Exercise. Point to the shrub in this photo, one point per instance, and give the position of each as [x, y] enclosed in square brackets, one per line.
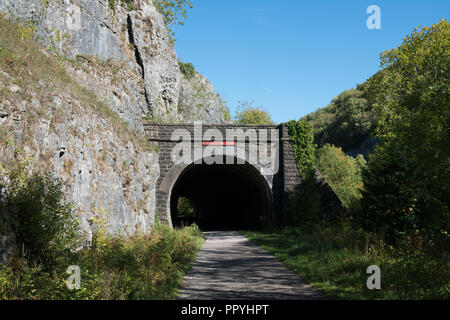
[187, 69]
[149, 266]
[35, 211]
[44, 224]
[185, 207]
[343, 173]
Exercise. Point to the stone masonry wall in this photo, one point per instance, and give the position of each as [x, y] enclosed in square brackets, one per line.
[286, 179]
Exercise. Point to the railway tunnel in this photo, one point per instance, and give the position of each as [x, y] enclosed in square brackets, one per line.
[223, 196]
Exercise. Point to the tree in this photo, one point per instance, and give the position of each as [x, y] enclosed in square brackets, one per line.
[173, 11]
[407, 180]
[343, 173]
[346, 122]
[247, 113]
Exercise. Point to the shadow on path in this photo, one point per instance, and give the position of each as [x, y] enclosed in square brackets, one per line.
[229, 266]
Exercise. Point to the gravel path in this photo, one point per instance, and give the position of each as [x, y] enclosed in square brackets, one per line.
[229, 266]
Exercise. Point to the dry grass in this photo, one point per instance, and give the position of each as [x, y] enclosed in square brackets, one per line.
[41, 76]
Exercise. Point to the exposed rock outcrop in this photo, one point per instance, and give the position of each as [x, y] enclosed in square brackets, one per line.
[126, 59]
[139, 38]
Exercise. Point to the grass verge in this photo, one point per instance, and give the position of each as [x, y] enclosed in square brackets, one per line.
[335, 260]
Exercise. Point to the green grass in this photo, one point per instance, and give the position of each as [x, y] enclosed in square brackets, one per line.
[334, 260]
[145, 267]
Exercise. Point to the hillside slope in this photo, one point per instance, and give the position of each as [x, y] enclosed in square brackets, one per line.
[348, 122]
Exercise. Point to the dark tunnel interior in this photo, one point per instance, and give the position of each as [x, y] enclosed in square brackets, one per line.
[223, 197]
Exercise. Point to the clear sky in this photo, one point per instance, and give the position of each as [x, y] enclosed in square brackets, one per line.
[294, 56]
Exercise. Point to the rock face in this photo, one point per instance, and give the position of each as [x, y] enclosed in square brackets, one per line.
[110, 176]
[126, 59]
[137, 37]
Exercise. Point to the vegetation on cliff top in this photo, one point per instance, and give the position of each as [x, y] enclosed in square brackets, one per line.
[346, 122]
[248, 113]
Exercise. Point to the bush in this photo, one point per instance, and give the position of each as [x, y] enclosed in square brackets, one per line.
[47, 241]
[142, 267]
[34, 210]
[187, 69]
[185, 208]
[44, 225]
[343, 173]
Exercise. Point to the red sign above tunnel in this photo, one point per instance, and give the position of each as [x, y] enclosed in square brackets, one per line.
[219, 143]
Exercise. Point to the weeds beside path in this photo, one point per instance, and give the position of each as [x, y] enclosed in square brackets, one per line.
[145, 267]
[335, 262]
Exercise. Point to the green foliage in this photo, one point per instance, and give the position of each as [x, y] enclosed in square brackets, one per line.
[304, 207]
[343, 173]
[185, 207]
[404, 208]
[112, 4]
[334, 260]
[173, 11]
[41, 221]
[187, 69]
[346, 122]
[408, 178]
[149, 267]
[302, 140]
[247, 113]
[26, 29]
[35, 211]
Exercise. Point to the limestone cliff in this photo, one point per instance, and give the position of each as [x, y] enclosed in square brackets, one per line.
[77, 107]
[137, 37]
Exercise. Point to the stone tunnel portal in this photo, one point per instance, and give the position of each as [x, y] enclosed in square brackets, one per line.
[224, 196]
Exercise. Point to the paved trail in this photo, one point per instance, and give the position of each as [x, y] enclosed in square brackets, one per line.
[229, 266]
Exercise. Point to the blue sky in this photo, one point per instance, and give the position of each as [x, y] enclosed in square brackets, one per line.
[292, 56]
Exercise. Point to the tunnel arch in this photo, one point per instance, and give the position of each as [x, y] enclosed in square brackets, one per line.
[239, 188]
